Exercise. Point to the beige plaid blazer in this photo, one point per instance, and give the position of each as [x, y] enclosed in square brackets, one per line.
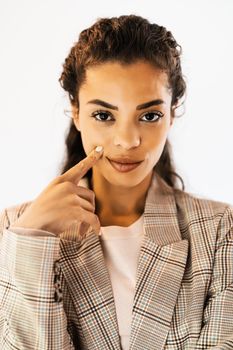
[55, 292]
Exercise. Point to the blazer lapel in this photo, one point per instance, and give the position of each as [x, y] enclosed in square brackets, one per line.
[160, 270]
[87, 279]
[161, 267]
[90, 288]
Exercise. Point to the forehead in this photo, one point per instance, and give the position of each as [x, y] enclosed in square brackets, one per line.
[118, 80]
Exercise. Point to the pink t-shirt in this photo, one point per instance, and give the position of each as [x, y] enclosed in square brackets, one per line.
[121, 248]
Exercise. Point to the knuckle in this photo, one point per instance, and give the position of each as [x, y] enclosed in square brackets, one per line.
[67, 185]
[60, 177]
[76, 200]
[91, 157]
[90, 192]
[82, 164]
[57, 180]
[96, 219]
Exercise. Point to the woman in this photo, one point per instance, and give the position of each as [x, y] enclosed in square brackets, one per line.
[112, 254]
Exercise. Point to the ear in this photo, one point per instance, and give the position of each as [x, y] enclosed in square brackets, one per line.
[173, 111]
[75, 116]
[172, 119]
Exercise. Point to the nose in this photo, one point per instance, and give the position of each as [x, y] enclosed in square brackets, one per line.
[127, 137]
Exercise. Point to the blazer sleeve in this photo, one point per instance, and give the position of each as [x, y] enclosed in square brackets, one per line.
[31, 231]
[217, 330]
[30, 317]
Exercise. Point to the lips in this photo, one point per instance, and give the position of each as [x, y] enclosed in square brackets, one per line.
[125, 160]
[124, 167]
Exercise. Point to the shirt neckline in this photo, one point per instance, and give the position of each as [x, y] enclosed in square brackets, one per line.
[123, 232]
[126, 227]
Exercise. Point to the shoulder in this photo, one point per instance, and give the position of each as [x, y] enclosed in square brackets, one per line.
[205, 212]
[197, 203]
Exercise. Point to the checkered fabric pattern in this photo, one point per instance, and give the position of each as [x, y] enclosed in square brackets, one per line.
[56, 294]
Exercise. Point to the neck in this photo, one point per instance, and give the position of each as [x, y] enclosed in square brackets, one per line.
[125, 204]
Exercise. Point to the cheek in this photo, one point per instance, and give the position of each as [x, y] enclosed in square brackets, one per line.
[157, 137]
[91, 138]
[155, 144]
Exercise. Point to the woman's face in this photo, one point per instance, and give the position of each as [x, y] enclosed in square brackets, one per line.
[111, 114]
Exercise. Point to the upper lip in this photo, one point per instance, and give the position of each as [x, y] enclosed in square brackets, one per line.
[125, 160]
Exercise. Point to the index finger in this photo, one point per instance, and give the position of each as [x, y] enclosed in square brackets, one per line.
[75, 173]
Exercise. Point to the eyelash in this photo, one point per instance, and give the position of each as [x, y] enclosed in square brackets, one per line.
[93, 115]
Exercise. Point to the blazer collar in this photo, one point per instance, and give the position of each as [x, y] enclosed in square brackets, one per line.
[160, 270]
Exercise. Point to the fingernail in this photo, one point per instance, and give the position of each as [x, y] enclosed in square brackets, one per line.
[99, 149]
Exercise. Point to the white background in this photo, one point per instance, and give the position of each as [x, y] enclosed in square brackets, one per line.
[35, 38]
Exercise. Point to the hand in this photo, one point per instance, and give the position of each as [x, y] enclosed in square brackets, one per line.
[63, 203]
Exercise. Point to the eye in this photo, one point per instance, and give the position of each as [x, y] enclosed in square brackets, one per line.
[103, 115]
[151, 115]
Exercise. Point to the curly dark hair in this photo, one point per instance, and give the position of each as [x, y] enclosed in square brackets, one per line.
[124, 39]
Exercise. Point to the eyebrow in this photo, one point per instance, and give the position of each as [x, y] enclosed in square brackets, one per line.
[139, 107]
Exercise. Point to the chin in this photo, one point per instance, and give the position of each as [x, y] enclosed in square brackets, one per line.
[126, 180]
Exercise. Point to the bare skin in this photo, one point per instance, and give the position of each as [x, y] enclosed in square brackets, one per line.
[63, 203]
[128, 131]
[115, 198]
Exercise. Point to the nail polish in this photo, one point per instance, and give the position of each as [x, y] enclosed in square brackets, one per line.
[99, 149]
